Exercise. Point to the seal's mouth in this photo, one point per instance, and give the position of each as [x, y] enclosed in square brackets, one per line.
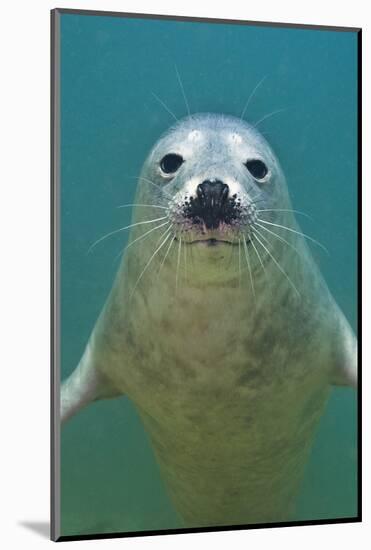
[209, 242]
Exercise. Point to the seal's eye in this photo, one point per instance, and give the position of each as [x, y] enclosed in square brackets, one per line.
[257, 169]
[171, 162]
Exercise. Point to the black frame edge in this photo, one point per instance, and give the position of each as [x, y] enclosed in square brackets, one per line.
[190, 18]
[359, 270]
[99, 536]
[52, 381]
[54, 280]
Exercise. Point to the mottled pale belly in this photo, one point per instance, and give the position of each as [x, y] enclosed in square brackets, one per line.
[234, 462]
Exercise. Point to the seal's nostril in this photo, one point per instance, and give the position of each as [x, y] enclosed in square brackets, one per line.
[224, 194]
[201, 192]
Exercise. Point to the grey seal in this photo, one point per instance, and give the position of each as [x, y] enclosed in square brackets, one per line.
[219, 327]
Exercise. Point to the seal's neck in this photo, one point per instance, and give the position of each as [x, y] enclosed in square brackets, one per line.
[200, 275]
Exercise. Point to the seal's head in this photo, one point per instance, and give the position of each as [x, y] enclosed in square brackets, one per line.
[215, 173]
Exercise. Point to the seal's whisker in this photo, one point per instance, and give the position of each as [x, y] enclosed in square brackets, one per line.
[261, 235]
[135, 205]
[139, 239]
[122, 229]
[295, 232]
[268, 116]
[177, 265]
[249, 266]
[165, 106]
[160, 237]
[166, 234]
[279, 238]
[251, 96]
[257, 253]
[182, 88]
[256, 201]
[276, 262]
[239, 262]
[265, 133]
[256, 196]
[286, 210]
[192, 257]
[155, 185]
[165, 256]
[230, 265]
[185, 264]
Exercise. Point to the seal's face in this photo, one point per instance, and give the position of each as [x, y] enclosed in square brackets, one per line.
[216, 173]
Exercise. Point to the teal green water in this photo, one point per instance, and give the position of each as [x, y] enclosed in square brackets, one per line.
[109, 121]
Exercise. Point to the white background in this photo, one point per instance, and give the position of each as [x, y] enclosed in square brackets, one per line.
[24, 273]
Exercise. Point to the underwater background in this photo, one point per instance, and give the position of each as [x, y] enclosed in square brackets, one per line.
[110, 68]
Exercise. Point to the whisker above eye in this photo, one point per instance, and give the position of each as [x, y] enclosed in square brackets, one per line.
[276, 112]
[165, 106]
[251, 96]
[182, 88]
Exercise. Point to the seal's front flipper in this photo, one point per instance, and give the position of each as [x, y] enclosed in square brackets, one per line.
[345, 369]
[85, 385]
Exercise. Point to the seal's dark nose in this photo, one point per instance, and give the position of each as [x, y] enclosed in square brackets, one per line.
[212, 194]
[210, 206]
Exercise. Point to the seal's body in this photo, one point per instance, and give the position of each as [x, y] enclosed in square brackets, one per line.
[223, 333]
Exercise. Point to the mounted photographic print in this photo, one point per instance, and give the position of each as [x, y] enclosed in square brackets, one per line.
[205, 188]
